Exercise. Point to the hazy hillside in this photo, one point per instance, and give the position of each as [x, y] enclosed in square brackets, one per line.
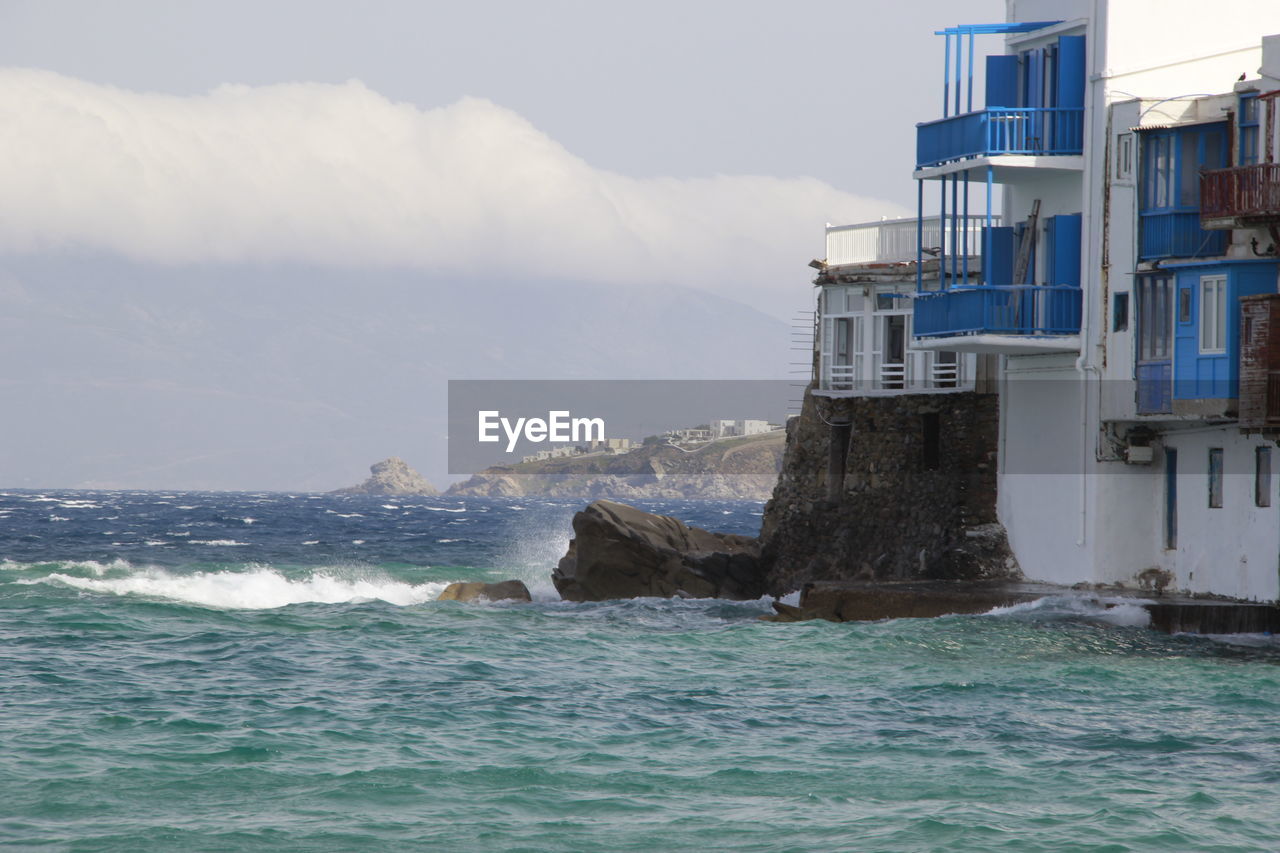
[122, 375]
[733, 468]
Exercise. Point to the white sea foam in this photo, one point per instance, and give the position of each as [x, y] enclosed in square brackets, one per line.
[97, 568]
[390, 506]
[1124, 612]
[445, 509]
[58, 518]
[254, 589]
[220, 542]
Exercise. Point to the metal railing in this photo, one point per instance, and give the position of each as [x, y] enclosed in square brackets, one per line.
[895, 240]
[1032, 310]
[1001, 130]
[1243, 191]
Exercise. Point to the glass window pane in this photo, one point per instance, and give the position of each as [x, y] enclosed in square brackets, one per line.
[1188, 169]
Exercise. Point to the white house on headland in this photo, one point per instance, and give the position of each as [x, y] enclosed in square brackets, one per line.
[1109, 198]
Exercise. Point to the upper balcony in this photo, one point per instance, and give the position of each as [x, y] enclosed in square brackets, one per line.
[892, 242]
[1034, 112]
[995, 131]
[1176, 163]
[1240, 197]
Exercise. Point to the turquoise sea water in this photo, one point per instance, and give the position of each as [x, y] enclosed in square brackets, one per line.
[271, 672]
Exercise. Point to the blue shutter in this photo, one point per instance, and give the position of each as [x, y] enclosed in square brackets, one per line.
[1002, 81]
[998, 250]
[1070, 71]
[1062, 248]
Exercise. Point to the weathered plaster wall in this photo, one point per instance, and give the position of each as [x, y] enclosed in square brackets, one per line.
[888, 508]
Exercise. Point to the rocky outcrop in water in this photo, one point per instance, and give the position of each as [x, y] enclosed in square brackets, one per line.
[391, 476]
[619, 551]
[512, 590]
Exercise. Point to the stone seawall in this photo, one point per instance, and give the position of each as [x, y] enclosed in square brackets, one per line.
[887, 488]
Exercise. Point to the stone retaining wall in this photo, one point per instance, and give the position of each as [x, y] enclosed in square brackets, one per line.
[890, 487]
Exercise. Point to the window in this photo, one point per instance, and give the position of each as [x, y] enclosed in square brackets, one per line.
[884, 302]
[1213, 314]
[1262, 476]
[1215, 477]
[1184, 305]
[1155, 318]
[1248, 129]
[931, 428]
[1170, 498]
[1120, 312]
[1124, 157]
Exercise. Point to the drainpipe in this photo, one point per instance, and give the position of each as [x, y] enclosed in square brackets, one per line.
[1083, 365]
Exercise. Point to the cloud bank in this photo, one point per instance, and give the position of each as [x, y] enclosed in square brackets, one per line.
[340, 175]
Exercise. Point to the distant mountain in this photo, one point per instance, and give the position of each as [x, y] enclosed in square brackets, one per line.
[744, 467]
[121, 375]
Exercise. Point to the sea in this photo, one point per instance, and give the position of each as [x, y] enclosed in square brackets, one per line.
[266, 671]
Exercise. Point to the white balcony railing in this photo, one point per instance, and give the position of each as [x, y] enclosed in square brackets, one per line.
[923, 370]
[894, 240]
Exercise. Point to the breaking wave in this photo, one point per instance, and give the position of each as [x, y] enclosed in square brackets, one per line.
[1121, 612]
[254, 589]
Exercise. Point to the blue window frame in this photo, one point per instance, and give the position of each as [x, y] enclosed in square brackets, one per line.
[1248, 132]
[1172, 160]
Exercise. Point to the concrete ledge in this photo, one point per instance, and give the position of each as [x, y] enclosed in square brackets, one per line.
[871, 601]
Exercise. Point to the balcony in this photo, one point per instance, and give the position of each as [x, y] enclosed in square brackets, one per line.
[920, 372]
[896, 240]
[1178, 234]
[1245, 195]
[999, 318]
[995, 131]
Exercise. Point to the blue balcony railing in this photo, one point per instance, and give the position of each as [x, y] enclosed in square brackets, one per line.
[1155, 388]
[1000, 130]
[1020, 309]
[1177, 234]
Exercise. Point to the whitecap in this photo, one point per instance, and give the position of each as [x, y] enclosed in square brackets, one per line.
[1112, 610]
[218, 542]
[256, 589]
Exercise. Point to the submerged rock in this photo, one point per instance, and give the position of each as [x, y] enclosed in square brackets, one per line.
[619, 551]
[391, 476]
[512, 590]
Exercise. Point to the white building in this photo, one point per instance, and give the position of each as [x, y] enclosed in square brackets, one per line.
[1125, 215]
[864, 325]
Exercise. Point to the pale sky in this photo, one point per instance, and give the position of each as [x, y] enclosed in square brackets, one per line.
[440, 162]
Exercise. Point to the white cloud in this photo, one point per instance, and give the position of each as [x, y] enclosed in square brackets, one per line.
[339, 175]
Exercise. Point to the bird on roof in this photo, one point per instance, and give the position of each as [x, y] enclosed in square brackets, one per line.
[1242, 76]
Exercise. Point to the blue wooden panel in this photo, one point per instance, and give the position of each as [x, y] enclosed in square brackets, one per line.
[998, 249]
[1002, 81]
[1209, 376]
[1071, 65]
[1154, 388]
[1062, 249]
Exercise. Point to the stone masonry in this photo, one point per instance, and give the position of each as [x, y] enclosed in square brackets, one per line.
[887, 488]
